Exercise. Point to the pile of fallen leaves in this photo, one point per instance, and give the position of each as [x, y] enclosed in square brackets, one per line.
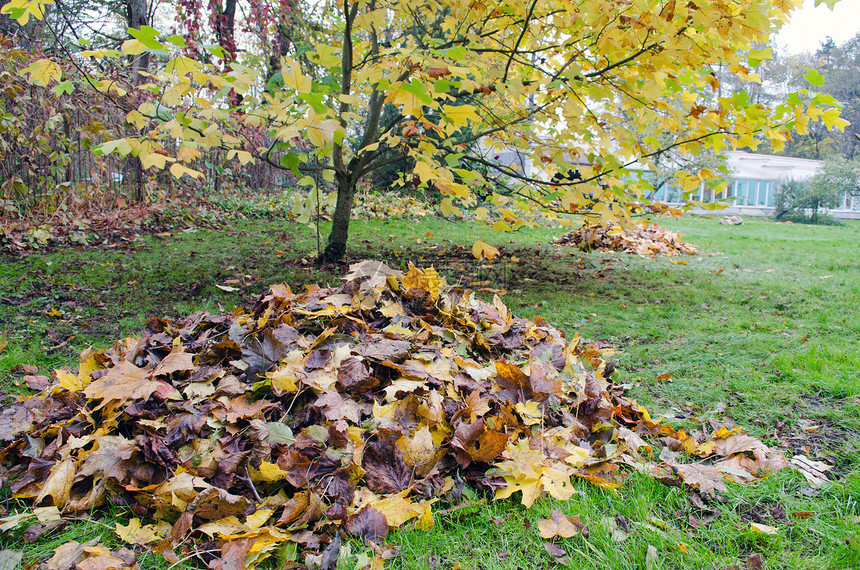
[117, 225]
[333, 412]
[642, 239]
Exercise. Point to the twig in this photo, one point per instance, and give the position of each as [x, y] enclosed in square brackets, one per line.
[251, 485]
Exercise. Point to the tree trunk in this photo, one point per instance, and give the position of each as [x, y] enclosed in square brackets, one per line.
[336, 248]
[225, 22]
[136, 17]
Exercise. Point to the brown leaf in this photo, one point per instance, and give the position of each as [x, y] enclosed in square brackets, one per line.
[755, 561]
[554, 550]
[353, 375]
[512, 377]
[100, 558]
[233, 553]
[17, 419]
[58, 486]
[304, 508]
[385, 469]
[384, 350]
[559, 525]
[705, 478]
[737, 443]
[67, 554]
[213, 503]
[336, 407]
[368, 523]
[651, 557]
[9, 559]
[436, 73]
[38, 383]
[475, 443]
[37, 531]
[125, 381]
[173, 363]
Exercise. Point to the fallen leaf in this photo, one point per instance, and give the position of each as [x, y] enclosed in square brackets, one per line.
[763, 529]
[368, 523]
[755, 561]
[651, 557]
[10, 559]
[559, 525]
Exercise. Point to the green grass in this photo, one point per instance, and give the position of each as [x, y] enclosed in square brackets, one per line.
[761, 328]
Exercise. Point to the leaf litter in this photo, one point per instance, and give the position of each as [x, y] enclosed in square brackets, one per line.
[641, 238]
[349, 410]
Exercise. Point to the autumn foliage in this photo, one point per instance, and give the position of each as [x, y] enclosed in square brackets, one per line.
[349, 410]
[642, 238]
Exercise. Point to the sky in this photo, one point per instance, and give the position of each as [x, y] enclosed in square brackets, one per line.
[810, 25]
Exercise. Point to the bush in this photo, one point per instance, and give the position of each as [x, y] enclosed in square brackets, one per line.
[801, 201]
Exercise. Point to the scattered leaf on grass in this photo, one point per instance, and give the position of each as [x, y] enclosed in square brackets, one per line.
[651, 557]
[559, 525]
[815, 472]
[763, 528]
[10, 559]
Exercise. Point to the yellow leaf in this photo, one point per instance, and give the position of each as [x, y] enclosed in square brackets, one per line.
[425, 521]
[557, 483]
[43, 72]
[243, 156]
[258, 519]
[426, 280]
[763, 529]
[110, 86]
[293, 76]
[133, 47]
[155, 159]
[424, 171]
[484, 251]
[320, 132]
[461, 114]
[268, 472]
[134, 533]
[181, 66]
[25, 9]
[419, 451]
[136, 118]
[396, 509]
[448, 208]
[58, 485]
[188, 154]
[529, 411]
[179, 171]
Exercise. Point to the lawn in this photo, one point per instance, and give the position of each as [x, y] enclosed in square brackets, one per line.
[761, 328]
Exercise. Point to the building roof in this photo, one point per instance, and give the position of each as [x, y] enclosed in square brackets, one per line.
[746, 165]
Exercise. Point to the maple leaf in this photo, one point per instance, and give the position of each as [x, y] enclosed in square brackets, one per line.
[385, 469]
[420, 452]
[476, 443]
[559, 525]
[261, 352]
[397, 509]
[368, 523]
[136, 533]
[125, 381]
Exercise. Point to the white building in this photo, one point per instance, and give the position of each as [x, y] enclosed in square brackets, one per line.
[755, 179]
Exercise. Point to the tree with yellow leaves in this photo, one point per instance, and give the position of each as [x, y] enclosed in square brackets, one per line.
[593, 85]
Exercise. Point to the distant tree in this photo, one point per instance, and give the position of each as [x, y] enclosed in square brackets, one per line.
[805, 199]
[841, 71]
